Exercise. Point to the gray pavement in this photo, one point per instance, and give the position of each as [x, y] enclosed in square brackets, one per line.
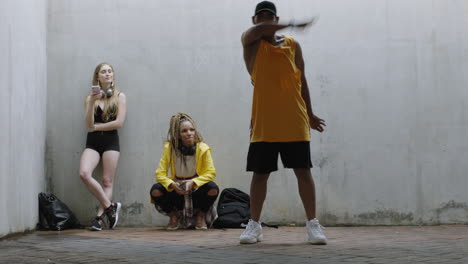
[427, 244]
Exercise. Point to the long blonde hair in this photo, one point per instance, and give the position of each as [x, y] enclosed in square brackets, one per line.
[111, 105]
[173, 134]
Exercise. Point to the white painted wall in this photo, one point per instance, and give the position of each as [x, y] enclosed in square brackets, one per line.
[387, 76]
[22, 112]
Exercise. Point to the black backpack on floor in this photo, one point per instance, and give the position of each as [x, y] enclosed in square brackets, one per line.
[233, 209]
[55, 214]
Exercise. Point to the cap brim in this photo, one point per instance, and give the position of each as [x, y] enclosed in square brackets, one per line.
[266, 9]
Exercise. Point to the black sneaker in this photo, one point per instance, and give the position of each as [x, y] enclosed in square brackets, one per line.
[96, 224]
[112, 214]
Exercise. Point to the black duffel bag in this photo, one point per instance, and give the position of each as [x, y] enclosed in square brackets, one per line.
[55, 214]
[233, 209]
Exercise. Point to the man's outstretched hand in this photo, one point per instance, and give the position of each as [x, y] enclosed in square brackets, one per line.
[303, 25]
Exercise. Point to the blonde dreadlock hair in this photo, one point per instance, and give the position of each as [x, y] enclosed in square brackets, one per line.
[173, 135]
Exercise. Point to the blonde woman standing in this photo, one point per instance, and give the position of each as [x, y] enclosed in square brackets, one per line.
[105, 113]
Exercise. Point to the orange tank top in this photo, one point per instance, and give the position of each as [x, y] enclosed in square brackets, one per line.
[279, 113]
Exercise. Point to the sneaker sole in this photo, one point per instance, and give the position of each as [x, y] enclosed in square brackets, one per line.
[92, 228]
[258, 239]
[248, 241]
[119, 205]
[318, 242]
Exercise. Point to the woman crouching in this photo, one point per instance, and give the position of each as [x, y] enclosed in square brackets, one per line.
[189, 190]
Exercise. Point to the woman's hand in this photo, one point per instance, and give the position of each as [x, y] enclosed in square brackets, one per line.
[94, 127]
[178, 189]
[189, 185]
[94, 97]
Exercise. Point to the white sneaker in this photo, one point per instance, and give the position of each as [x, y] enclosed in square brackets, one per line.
[252, 233]
[315, 233]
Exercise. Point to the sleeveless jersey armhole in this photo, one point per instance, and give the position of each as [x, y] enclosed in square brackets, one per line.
[293, 45]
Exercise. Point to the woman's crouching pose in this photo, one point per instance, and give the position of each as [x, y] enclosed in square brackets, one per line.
[189, 190]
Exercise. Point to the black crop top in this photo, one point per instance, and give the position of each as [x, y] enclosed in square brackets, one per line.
[98, 116]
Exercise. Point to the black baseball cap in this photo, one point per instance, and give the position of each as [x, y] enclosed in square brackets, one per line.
[265, 6]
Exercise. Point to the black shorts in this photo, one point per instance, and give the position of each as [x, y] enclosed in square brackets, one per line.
[102, 141]
[263, 156]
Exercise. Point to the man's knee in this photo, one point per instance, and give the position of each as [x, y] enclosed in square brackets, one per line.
[260, 177]
[303, 173]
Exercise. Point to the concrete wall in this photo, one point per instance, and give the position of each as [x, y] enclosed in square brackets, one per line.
[22, 112]
[387, 76]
